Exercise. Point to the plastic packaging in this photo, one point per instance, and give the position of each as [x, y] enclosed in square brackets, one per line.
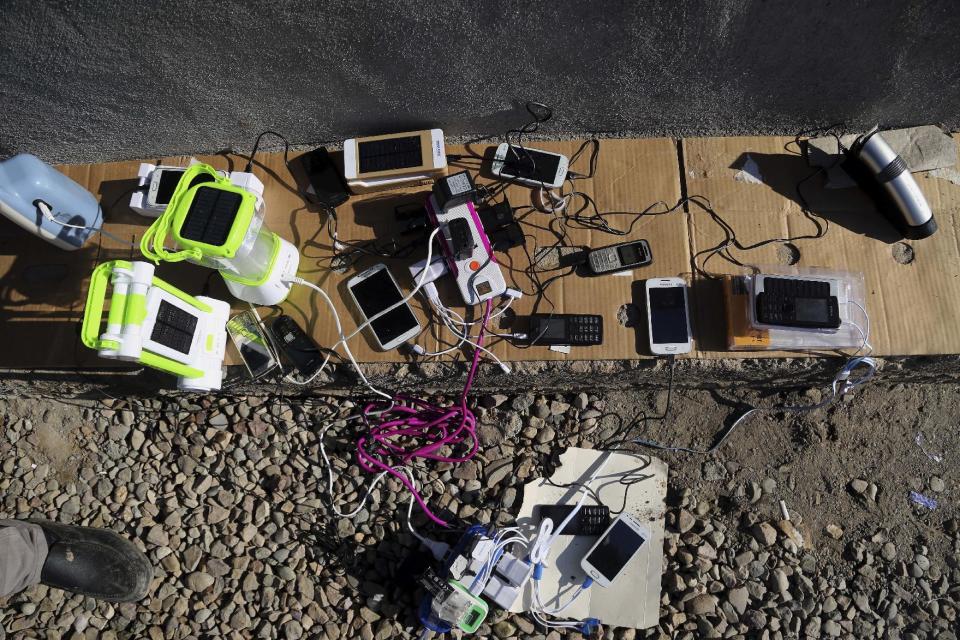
[746, 333]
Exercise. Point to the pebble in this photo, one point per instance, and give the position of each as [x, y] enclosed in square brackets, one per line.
[701, 604]
[227, 517]
[200, 581]
[764, 533]
[834, 531]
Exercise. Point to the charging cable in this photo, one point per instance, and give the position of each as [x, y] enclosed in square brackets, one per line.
[433, 428]
[844, 382]
[47, 212]
[540, 551]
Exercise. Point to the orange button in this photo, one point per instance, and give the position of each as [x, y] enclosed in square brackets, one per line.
[474, 265]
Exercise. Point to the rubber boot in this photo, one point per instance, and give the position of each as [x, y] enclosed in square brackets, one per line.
[94, 562]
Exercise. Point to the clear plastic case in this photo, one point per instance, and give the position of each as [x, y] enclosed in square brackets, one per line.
[746, 333]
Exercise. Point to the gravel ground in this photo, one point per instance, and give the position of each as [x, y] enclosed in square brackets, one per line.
[227, 497]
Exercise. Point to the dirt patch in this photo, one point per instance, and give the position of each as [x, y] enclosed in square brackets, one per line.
[809, 460]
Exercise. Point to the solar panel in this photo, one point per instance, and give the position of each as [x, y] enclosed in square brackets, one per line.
[389, 154]
[210, 216]
[174, 327]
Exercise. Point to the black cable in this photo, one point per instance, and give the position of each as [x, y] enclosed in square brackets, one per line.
[256, 146]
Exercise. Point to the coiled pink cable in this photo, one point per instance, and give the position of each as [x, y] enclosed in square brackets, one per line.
[408, 420]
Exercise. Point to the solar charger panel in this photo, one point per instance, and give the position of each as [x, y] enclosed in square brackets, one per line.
[153, 323]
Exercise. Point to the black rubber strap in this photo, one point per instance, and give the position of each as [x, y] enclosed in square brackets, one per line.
[892, 170]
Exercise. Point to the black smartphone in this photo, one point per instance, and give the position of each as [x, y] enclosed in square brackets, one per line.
[297, 346]
[325, 183]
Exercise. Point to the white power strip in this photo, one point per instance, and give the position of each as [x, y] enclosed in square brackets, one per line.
[477, 272]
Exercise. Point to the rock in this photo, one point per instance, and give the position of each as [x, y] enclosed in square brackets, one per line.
[118, 432]
[831, 628]
[789, 531]
[217, 514]
[764, 533]
[137, 438]
[685, 521]
[888, 552]
[200, 581]
[829, 605]
[239, 620]
[755, 619]
[769, 485]
[922, 561]
[859, 486]
[834, 531]
[937, 485]
[581, 401]
[504, 629]
[293, 630]
[713, 471]
[498, 471]
[739, 598]
[701, 604]
[158, 536]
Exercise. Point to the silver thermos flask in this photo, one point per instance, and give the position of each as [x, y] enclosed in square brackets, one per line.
[893, 188]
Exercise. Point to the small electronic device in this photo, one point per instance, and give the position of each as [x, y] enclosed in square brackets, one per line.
[324, 182]
[394, 160]
[576, 330]
[458, 188]
[157, 184]
[468, 251]
[300, 348]
[163, 181]
[885, 177]
[668, 320]
[591, 520]
[375, 290]
[619, 257]
[804, 303]
[532, 167]
[151, 322]
[247, 335]
[217, 221]
[616, 547]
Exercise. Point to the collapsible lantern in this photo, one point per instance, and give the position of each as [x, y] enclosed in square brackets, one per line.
[219, 224]
[156, 324]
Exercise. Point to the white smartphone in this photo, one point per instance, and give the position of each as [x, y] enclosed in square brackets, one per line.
[668, 319]
[616, 547]
[373, 291]
[532, 167]
[163, 182]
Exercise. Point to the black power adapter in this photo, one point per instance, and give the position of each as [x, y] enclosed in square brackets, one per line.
[454, 190]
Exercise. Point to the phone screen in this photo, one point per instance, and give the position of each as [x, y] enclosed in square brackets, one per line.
[376, 293]
[668, 315]
[324, 178]
[248, 338]
[530, 164]
[169, 178]
[615, 550]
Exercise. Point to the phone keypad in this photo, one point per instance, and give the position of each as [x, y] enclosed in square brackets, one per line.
[585, 330]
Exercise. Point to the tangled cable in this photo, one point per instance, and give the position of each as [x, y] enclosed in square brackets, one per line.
[408, 428]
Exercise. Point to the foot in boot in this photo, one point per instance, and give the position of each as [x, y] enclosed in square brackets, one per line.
[94, 562]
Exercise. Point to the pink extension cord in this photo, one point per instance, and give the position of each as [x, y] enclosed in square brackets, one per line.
[406, 420]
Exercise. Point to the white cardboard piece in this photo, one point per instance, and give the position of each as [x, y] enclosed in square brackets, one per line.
[634, 599]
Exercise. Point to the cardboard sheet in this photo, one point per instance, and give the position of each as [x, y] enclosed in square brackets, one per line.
[633, 600]
[630, 176]
[911, 306]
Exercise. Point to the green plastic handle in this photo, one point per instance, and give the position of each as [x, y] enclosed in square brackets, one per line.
[96, 296]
